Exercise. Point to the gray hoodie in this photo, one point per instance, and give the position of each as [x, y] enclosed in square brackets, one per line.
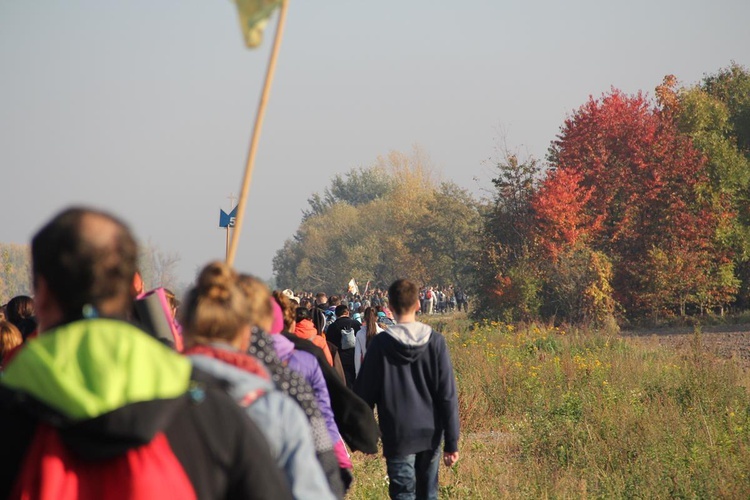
[282, 421]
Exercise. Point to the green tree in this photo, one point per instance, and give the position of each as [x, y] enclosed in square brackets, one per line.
[414, 228]
[508, 276]
[732, 87]
[713, 114]
[448, 236]
[357, 187]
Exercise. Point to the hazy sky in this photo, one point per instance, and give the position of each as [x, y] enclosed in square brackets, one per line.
[145, 108]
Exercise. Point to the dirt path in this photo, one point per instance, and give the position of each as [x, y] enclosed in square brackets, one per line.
[727, 341]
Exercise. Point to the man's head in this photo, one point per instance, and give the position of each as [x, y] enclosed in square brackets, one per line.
[321, 298]
[403, 297]
[82, 257]
[341, 311]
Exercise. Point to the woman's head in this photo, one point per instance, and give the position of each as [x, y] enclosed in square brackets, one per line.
[371, 325]
[10, 337]
[288, 307]
[259, 302]
[216, 308]
[302, 313]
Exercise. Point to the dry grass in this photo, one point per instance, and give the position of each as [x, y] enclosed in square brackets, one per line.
[554, 413]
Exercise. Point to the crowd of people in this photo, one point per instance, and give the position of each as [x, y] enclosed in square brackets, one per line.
[432, 300]
[236, 391]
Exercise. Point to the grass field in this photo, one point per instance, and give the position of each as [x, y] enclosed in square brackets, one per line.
[561, 413]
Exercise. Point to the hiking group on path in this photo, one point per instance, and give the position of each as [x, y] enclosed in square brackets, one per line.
[235, 392]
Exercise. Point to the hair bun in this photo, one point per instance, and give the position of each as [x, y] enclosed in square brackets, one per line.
[216, 281]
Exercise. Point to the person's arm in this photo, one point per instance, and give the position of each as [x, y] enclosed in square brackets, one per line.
[358, 352]
[450, 458]
[447, 399]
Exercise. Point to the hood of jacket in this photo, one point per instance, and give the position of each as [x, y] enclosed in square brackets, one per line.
[305, 329]
[409, 341]
[107, 385]
[239, 383]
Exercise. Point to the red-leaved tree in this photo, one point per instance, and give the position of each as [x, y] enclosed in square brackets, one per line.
[626, 182]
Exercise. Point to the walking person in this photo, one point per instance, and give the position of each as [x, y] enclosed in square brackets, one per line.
[218, 316]
[342, 333]
[369, 329]
[99, 408]
[408, 375]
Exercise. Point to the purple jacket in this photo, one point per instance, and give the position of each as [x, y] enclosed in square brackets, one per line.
[306, 365]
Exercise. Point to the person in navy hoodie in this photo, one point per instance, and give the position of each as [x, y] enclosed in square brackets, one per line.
[408, 374]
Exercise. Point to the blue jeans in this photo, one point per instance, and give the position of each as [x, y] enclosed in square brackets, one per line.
[414, 476]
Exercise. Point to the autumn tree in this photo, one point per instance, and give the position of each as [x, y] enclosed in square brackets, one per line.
[627, 183]
[714, 114]
[409, 225]
[577, 287]
[508, 275]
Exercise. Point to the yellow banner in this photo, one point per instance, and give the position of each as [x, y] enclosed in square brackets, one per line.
[254, 16]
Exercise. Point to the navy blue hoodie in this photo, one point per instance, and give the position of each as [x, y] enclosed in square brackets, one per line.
[407, 373]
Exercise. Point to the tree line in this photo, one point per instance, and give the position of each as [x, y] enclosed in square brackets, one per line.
[157, 267]
[641, 209]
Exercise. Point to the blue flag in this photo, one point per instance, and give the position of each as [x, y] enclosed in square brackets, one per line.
[227, 219]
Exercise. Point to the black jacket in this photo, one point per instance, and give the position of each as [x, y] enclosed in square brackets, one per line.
[333, 334]
[353, 416]
[408, 374]
[119, 390]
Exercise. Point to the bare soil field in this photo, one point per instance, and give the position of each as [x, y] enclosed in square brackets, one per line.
[731, 342]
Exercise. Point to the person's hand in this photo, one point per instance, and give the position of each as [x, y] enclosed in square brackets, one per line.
[450, 458]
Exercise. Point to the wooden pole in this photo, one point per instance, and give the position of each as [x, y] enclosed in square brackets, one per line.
[227, 245]
[231, 207]
[256, 134]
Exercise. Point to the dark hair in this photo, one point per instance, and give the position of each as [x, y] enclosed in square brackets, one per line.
[340, 310]
[402, 295]
[371, 325]
[86, 257]
[302, 313]
[318, 319]
[19, 308]
[334, 300]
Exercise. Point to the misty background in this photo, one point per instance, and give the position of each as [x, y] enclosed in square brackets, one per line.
[145, 108]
